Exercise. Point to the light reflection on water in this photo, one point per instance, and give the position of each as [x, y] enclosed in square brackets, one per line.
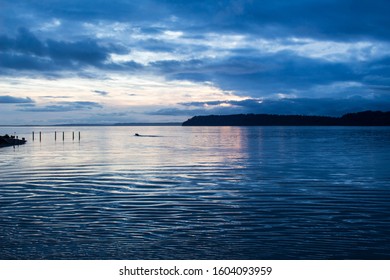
[196, 193]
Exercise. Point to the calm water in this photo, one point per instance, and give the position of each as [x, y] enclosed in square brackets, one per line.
[197, 193]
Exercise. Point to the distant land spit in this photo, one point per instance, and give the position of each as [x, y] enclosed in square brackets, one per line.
[366, 118]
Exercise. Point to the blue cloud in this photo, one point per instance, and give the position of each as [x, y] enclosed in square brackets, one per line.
[15, 61]
[25, 42]
[92, 32]
[177, 112]
[299, 106]
[86, 51]
[261, 75]
[101, 92]
[16, 100]
[340, 19]
[27, 52]
[64, 107]
[155, 45]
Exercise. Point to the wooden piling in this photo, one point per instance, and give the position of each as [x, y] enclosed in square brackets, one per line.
[73, 135]
[79, 136]
[55, 135]
[63, 136]
[40, 136]
[33, 136]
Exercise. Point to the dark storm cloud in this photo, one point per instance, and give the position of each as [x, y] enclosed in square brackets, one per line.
[87, 51]
[64, 107]
[261, 75]
[25, 42]
[27, 52]
[89, 10]
[17, 100]
[378, 72]
[343, 20]
[17, 61]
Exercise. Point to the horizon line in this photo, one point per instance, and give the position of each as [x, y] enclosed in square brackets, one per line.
[95, 124]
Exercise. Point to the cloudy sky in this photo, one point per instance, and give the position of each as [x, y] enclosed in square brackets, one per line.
[95, 61]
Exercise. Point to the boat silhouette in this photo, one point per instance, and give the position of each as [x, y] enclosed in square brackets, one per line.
[143, 135]
[7, 140]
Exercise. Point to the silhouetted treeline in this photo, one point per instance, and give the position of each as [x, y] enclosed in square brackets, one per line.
[366, 118]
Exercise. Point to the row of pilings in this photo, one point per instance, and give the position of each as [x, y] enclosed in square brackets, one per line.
[38, 135]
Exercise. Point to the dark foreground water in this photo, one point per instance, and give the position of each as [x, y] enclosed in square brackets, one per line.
[197, 193]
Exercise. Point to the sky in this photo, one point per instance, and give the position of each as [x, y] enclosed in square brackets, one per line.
[116, 61]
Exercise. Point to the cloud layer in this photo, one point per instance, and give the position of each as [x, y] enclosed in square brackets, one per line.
[316, 57]
[6, 99]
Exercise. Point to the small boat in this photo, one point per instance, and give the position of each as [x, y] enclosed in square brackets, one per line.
[7, 140]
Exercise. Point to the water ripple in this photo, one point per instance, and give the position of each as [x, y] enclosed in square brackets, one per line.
[246, 193]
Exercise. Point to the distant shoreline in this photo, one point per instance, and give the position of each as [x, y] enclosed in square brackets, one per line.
[366, 118]
[113, 124]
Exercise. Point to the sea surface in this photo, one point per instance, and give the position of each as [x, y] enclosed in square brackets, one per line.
[196, 193]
